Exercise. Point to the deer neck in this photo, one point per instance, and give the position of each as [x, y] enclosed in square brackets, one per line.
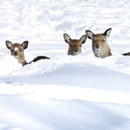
[21, 60]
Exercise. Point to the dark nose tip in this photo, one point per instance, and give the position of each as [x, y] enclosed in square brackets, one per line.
[15, 53]
[97, 46]
[76, 50]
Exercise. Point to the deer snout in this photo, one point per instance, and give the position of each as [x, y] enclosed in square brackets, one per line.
[76, 50]
[97, 46]
[15, 53]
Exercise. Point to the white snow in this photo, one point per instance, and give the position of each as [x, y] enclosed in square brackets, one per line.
[65, 92]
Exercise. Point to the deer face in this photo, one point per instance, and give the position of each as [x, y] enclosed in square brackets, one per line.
[17, 50]
[99, 43]
[75, 45]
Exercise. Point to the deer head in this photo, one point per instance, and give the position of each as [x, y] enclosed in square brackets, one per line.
[75, 45]
[99, 43]
[17, 50]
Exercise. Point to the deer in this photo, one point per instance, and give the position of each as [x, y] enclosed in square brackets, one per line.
[75, 45]
[126, 54]
[17, 50]
[100, 46]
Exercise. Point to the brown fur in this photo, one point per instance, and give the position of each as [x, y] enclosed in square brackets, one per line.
[126, 54]
[17, 50]
[75, 45]
[99, 43]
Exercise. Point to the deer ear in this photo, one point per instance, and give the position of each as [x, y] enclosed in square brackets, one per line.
[9, 45]
[107, 32]
[83, 39]
[66, 38]
[90, 34]
[25, 44]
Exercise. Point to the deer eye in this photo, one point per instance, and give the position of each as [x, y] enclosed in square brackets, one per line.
[103, 40]
[20, 49]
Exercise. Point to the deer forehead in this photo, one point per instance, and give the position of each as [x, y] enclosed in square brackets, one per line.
[75, 42]
[99, 37]
[18, 46]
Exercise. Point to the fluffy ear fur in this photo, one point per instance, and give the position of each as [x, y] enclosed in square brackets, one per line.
[107, 32]
[90, 34]
[9, 45]
[25, 44]
[66, 38]
[83, 39]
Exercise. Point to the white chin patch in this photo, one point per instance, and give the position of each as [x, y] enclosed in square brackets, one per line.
[76, 53]
[98, 53]
[16, 57]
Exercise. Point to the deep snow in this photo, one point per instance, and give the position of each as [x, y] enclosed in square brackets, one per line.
[66, 92]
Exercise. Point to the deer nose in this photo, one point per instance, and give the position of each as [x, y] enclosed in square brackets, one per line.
[15, 53]
[97, 46]
[76, 50]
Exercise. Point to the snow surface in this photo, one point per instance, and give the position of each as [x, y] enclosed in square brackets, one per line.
[66, 92]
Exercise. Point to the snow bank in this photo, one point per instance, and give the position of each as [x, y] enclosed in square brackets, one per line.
[65, 92]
